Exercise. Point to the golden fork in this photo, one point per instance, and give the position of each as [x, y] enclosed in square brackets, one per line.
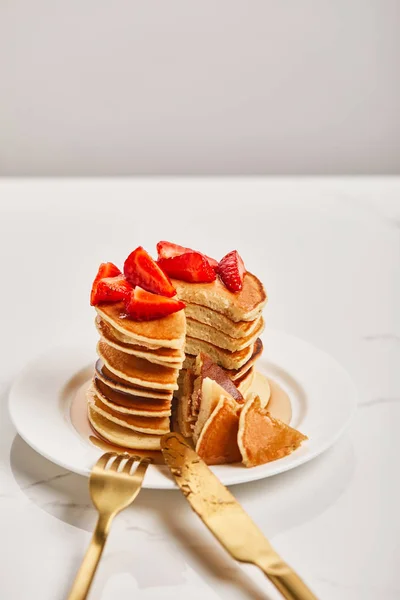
[112, 489]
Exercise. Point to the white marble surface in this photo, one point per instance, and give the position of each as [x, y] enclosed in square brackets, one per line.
[328, 252]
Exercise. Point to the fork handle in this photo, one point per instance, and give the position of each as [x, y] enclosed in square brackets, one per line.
[84, 577]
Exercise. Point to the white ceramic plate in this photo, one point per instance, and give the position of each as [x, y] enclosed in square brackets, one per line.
[322, 394]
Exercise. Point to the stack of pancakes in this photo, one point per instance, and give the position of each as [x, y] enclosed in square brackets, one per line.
[226, 327]
[129, 401]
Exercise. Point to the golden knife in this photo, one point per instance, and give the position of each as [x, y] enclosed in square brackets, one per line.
[226, 519]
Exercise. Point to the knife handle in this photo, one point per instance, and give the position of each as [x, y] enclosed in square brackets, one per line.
[291, 586]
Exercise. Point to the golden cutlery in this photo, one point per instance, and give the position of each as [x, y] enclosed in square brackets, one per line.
[226, 519]
[112, 488]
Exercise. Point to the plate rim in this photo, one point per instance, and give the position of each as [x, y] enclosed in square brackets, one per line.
[164, 481]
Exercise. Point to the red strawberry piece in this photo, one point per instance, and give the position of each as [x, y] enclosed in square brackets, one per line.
[105, 270]
[213, 263]
[145, 306]
[140, 269]
[191, 266]
[231, 270]
[169, 250]
[112, 289]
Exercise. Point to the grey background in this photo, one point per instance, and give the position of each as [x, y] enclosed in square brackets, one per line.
[94, 87]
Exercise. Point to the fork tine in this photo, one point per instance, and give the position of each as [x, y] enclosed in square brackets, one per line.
[142, 467]
[103, 460]
[128, 466]
[118, 461]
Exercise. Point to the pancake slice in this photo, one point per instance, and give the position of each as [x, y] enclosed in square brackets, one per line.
[210, 334]
[257, 351]
[196, 389]
[261, 437]
[208, 397]
[137, 370]
[117, 383]
[218, 443]
[205, 367]
[168, 332]
[163, 356]
[131, 405]
[210, 384]
[224, 358]
[245, 382]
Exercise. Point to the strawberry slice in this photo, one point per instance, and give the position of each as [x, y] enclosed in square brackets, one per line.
[140, 269]
[111, 289]
[169, 250]
[231, 269]
[191, 266]
[105, 270]
[145, 306]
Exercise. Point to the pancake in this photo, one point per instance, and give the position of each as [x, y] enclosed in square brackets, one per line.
[117, 434]
[245, 305]
[245, 382]
[137, 370]
[117, 383]
[132, 405]
[261, 437]
[224, 358]
[191, 389]
[168, 332]
[121, 436]
[210, 384]
[126, 339]
[217, 443]
[200, 331]
[162, 356]
[152, 425]
[205, 367]
[208, 397]
[236, 374]
[217, 320]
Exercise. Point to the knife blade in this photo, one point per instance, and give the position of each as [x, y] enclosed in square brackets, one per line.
[226, 519]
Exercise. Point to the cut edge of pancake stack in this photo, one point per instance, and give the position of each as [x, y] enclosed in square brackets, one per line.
[224, 326]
